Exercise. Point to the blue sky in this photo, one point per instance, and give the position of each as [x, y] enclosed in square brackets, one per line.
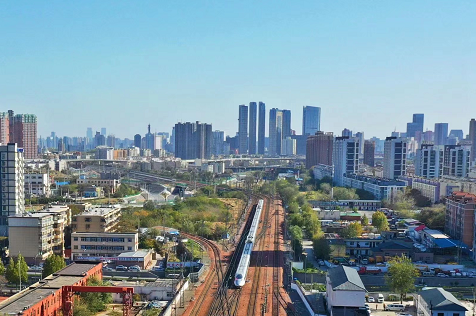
[123, 64]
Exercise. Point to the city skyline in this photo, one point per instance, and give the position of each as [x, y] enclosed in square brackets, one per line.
[163, 64]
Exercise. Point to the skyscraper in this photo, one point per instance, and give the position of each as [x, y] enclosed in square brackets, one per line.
[472, 138]
[456, 161]
[311, 120]
[23, 131]
[137, 140]
[89, 133]
[218, 143]
[319, 149]
[149, 139]
[4, 128]
[193, 140]
[286, 123]
[103, 131]
[441, 133]
[252, 134]
[243, 129]
[345, 158]
[346, 132]
[369, 153]
[13, 196]
[279, 129]
[360, 137]
[394, 157]
[429, 161]
[261, 127]
[416, 125]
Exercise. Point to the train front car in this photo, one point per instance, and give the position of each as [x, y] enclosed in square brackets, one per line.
[242, 270]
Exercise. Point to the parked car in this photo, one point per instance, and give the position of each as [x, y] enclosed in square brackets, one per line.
[367, 307]
[321, 263]
[134, 269]
[121, 268]
[441, 275]
[380, 298]
[371, 299]
[395, 307]
[108, 269]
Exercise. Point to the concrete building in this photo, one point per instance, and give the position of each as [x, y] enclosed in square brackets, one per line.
[319, 149]
[311, 120]
[459, 221]
[12, 186]
[345, 158]
[321, 171]
[4, 128]
[394, 157]
[416, 126]
[102, 244]
[345, 291]
[137, 141]
[369, 153]
[193, 140]
[159, 290]
[438, 302]
[429, 161]
[441, 133]
[289, 147]
[429, 188]
[279, 129]
[261, 127]
[218, 143]
[23, 132]
[37, 184]
[32, 235]
[382, 189]
[243, 129]
[472, 138]
[113, 184]
[360, 137]
[103, 152]
[61, 226]
[97, 219]
[456, 161]
[252, 129]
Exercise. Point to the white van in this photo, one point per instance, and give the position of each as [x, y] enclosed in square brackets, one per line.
[395, 307]
[380, 298]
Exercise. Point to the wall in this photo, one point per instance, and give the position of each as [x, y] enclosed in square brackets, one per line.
[176, 301]
[298, 289]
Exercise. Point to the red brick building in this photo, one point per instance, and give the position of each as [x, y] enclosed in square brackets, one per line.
[459, 221]
[45, 297]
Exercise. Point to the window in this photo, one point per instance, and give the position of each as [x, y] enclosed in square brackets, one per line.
[88, 226]
[130, 239]
[455, 314]
[441, 314]
[87, 219]
[75, 238]
[130, 248]
[75, 246]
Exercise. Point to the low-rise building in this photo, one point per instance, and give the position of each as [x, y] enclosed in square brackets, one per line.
[97, 219]
[361, 246]
[102, 244]
[323, 171]
[438, 302]
[345, 291]
[61, 226]
[37, 184]
[100, 182]
[159, 290]
[361, 205]
[428, 188]
[382, 189]
[93, 191]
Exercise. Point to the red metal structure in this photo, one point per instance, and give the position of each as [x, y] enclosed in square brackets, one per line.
[69, 291]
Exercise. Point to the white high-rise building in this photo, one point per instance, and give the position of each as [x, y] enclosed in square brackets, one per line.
[12, 201]
[429, 161]
[345, 158]
[289, 146]
[394, 157]
[456, 161]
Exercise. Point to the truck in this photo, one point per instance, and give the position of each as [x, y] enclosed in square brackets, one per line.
[369, 270]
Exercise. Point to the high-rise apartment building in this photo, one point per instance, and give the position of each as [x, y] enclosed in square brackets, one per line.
[459, 220]
[103, 131]
[319, 149]
[289, 146]
[4, 128]
[360, 137]
[311, 120]
[275, 131]
[218, 147]
[243, 129]
[472, 138]
[345, 158]
[456, 161]
[252, 126]
[346, 132]
[286, 123]
[394, 157]
[261, 127]
[369, 153]
[193, 140]
[441, 133]
[23, 131]
[12, 200]
[429, 161]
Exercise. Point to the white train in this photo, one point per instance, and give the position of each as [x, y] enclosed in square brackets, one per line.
[242, 270]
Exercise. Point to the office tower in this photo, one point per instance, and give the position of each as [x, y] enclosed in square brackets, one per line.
[23, 131]
[429, 161]
[275, 131]
[419, 119]
[103, 131]
[394, 158]
[193, 140]
[252, 127]
[456, 133]
[261, 127]
[472, 138]
[345, 158]
[243, 129]
[89, 133]
[319, 149]
[369, 153]
[4, 128]
[360, 137]
[286, 124]
[137, 140]
[441, 133]
[149, 139]
[218, 143]
[311, 120]
[99, 140]
[416, 125]
[428, 136]
[12, 185]
[346, 132]
[456, 161]
[111, 141]
[289, 146]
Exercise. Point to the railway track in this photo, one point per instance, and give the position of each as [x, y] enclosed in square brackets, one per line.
[276, 264]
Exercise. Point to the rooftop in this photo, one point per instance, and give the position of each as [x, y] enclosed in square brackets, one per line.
[435, 233]
[100, 211]
[136, 254]
[345, 279]
[441, 300]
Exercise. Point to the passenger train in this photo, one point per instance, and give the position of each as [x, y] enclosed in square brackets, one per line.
[242, 270]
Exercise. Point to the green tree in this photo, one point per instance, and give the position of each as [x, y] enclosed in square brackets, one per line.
[353, 230]
[379, 221]
[23, 268]
[321, 248]
[326, 188]
[296, 232]
[149, 205]
[11, 272]
[96, 302]
[53, 264]
[2, 268]
[433, 217]
[402, 275]
[345, 194]
[365, 220]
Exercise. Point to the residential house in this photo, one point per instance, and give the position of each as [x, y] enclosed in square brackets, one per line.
[345, 291]
[438, 302]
